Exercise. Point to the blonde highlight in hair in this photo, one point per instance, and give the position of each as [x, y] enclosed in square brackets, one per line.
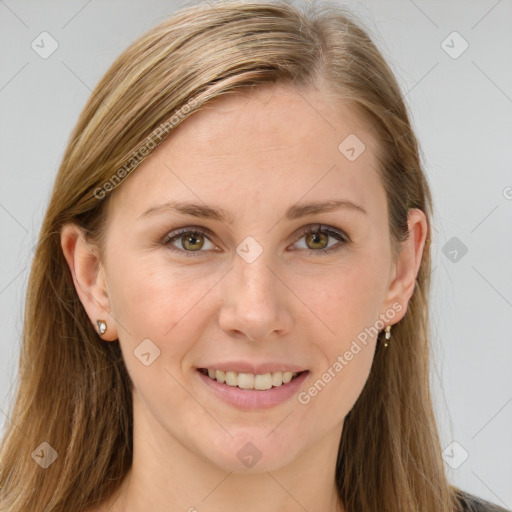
[74, 391]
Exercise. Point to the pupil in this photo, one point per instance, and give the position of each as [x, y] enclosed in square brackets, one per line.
[193, 240]
[315, 237]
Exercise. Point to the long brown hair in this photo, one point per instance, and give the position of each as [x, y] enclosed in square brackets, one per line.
[74, 392]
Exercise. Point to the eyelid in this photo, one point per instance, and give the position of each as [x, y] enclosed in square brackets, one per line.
[175, 232]
[321, 228]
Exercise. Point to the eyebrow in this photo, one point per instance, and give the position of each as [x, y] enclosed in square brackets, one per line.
[211, 212]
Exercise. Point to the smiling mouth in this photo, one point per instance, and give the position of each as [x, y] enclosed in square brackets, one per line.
[251, 381]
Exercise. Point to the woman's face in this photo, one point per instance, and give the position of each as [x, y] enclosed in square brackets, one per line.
[253, 291]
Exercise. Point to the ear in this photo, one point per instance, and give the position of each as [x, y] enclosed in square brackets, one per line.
[88, 278]
[403, 278]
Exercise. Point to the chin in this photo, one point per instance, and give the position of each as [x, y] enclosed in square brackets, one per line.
[252, 452]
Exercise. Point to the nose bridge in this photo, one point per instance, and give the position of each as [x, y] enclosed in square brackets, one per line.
[254, 282]
[253, 302]
[251, 265]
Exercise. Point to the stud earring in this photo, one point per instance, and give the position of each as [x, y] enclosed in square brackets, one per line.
[388, 335]
[102, 326]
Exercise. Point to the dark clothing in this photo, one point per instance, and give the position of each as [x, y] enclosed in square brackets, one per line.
[470, 503]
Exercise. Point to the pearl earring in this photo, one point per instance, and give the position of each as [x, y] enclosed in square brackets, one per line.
[102, 326]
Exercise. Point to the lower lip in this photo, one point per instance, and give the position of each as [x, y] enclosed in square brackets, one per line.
[251, 398]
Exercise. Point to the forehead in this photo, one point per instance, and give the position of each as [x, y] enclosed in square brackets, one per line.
[270, 118]
[271, 145]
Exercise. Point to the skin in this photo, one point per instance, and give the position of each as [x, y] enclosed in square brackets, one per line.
[254, 156]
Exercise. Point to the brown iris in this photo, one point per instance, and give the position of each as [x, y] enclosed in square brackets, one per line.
[192, 241]
[314, 236]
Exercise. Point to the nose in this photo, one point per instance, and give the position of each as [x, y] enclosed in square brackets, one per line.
[256, 302]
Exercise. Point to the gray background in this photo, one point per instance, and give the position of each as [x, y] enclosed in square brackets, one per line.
[462, 113]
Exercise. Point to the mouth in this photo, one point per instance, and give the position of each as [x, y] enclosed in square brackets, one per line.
[250, 381]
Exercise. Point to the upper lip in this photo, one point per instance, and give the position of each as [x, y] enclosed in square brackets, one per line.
[256, 369]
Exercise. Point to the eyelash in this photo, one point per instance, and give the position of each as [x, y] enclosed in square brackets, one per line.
[316, 229]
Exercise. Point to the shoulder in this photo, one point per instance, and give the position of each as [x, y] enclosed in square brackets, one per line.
[471, 503]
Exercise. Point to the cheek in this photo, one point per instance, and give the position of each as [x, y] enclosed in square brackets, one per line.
[347, 298]
[349, 310]
[335, 391]
[157, 300]
[348, 303]
[165, 305]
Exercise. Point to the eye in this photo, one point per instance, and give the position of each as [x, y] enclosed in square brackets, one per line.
[190, 240]
[317, 238]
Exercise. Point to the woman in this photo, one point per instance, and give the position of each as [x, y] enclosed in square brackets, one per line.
[242, 323]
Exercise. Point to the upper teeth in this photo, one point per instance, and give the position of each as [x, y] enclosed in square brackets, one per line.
[251, 381]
